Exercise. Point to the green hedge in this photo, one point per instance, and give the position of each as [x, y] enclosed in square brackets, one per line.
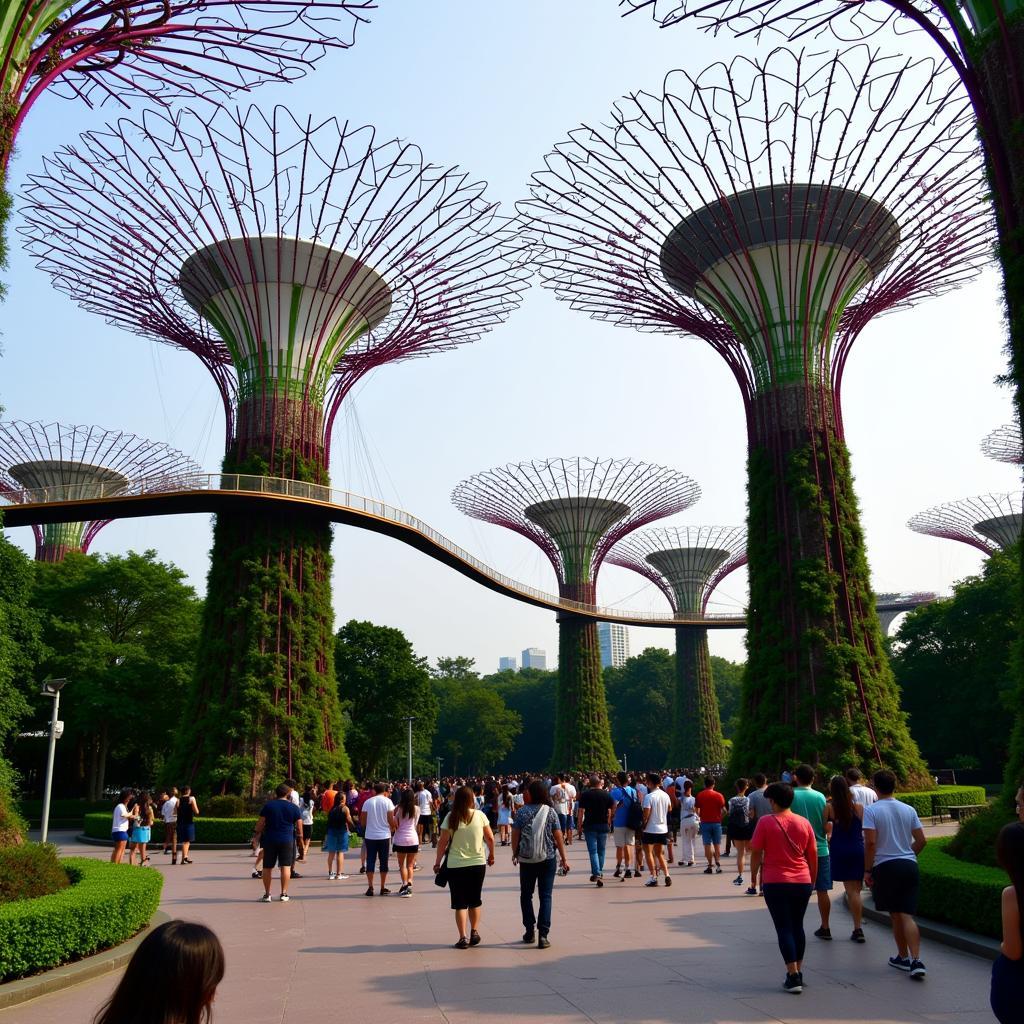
[939, 800]
[229, 831]
[961, 894]
[105, 905]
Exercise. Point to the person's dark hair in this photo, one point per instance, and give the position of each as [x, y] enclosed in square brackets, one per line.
[853, 776]
[780, 793]
[379, 787]
[741, 786]
[842, 800]
[688, 786]
[171, 978]
[623, 779]
[539, 793]
[709, 781]
[885, 782]
[506, 796]
[463, 805]
[407, 804]
[759, 780]
[282, 791]
[1010, 854]
[804, 774]
[124, 796]
[186, 790]
[653, 779]
[291, 782]
[595, 781]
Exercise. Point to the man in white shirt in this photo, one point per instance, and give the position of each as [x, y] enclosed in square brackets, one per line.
[169, 814]
[861, 794]
[560, 802]
[656, 806]
[378, 822]
[293, 798]
[570, 800]
[893, 837]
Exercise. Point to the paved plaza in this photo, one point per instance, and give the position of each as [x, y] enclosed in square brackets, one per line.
[699, 952]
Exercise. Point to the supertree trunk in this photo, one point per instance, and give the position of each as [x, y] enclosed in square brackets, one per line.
[696, 725]
[265, 699]
[817, 687]
[583, 736]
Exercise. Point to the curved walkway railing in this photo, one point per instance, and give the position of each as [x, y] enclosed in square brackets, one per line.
[169, 496]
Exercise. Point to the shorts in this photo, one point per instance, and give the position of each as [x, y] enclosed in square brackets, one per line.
[377, 853]
[466, 886]
[823, 881]
[336, 841]
[406, 849]
[623, 836]
[186, 833]
[655, 839]
[278, 855]
[427, 821]
[711, 833]
[141, 834]
[742, 833]
[895, 886]
[119, 837]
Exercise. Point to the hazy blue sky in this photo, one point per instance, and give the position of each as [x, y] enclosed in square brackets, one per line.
[491, 86]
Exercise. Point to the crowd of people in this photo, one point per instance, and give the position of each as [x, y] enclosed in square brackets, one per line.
[791, 842]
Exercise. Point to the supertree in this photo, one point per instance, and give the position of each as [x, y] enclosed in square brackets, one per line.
[575, 510]
[890, 606]
[989, 522]
[686, 563]
[1005, 444]
[73, 463]
[292, 258]
[774, 209]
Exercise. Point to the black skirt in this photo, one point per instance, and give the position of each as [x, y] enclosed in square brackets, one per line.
[465, 886]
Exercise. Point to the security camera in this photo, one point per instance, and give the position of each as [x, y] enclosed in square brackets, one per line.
[51, 687]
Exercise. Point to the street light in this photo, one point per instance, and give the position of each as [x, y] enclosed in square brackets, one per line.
[409, 719]
[51, 688]
[439, 761]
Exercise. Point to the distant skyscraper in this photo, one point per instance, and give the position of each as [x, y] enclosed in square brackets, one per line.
[507, 664]
[614, 640]
[534, 657]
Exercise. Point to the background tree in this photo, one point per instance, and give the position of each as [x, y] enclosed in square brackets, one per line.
[640, 706]
[728, 678]
[381, 681]
[530, 693]
[123, 629]
[475, 728]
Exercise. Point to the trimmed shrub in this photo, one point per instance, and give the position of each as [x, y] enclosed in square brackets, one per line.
[228, 806]
[939, 800]
[975, 841]
[29, 871]
[921, 802]
[961, 894]
[64, 809]
[12, 825]
[229, 831]
[105, 905]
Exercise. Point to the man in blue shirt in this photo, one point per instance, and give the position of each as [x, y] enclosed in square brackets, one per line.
[276, 831]
[623, 796]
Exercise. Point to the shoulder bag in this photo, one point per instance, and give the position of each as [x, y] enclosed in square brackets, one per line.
[441, 878]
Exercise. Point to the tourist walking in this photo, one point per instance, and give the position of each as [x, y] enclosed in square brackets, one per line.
[627, 813]
[594, 813]
[275, 828]
[741, 826]
[425, 824]
[846, 848]
[710, 805]
[785, 849]
[560, 802]
[810, 804]
[188, 811]
[655, 835]
[467, 846]
[536, 837]
[505, 805]
[893, 837]
[759, 808]
[570, 804]
[377, 819]
[406, 840]
[307, 805]
[1007, 992]
[175, 970]
[861, 794]
[120, 824]
[142, 828]
[688, 828]
[338, 837]
[169, 816]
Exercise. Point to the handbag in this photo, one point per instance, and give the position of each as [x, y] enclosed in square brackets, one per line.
[441, 878]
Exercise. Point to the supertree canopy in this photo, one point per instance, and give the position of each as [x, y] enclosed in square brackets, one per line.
[292, 258]
[72, 463]
[1005, 444]
[575, 511]
[989, 522]
[686, 564]
[773, 209]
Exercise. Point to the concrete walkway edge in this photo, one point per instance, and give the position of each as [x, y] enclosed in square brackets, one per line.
[947, 934]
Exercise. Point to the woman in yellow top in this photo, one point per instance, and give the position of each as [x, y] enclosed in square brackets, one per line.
[464, 834]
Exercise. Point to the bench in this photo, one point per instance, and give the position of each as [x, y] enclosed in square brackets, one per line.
[961, 812]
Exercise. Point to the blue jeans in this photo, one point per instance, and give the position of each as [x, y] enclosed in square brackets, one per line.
[596, 842]
[542, 877]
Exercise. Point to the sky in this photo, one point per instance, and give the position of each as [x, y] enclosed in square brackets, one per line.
[491, 87]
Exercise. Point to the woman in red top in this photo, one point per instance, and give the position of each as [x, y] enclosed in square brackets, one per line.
[785, 843]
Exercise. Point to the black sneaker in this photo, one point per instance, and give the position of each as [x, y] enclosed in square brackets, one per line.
[718, 869]
[708, 871]
[593, 878]
[651, 884]
[369, 892]
[901, 963]
[295, 874]
[824, 933]
[794, 983]
[362, 870]
[668, 879]
[542, 942]
[600, 882]
[617, 873]
[917, 970]
[385, 892]
[627, 874]
[858, 935]
[528, 937]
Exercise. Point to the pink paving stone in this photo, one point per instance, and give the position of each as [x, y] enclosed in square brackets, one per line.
[699, 952]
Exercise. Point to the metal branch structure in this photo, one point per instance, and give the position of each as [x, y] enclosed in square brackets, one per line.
[773, 208]
[69, 463]
[291, 258]
[575, 510]
[988, 522]
[114, 51]
[890, 606]
[686, 564]
[1005, 444]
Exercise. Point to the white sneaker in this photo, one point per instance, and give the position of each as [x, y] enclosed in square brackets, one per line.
[341, 878]
[266, 898]
[284, 897]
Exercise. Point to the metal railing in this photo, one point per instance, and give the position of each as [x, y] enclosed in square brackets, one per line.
[321, 494]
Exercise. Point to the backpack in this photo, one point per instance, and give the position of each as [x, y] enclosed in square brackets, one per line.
[634, 813]
[532, 842]
[737, 817]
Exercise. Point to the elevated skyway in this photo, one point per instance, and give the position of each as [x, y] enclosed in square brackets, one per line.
[230, 492]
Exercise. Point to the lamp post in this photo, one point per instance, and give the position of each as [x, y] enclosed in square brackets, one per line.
[409, 719]
[51, 688]
[439, 761]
